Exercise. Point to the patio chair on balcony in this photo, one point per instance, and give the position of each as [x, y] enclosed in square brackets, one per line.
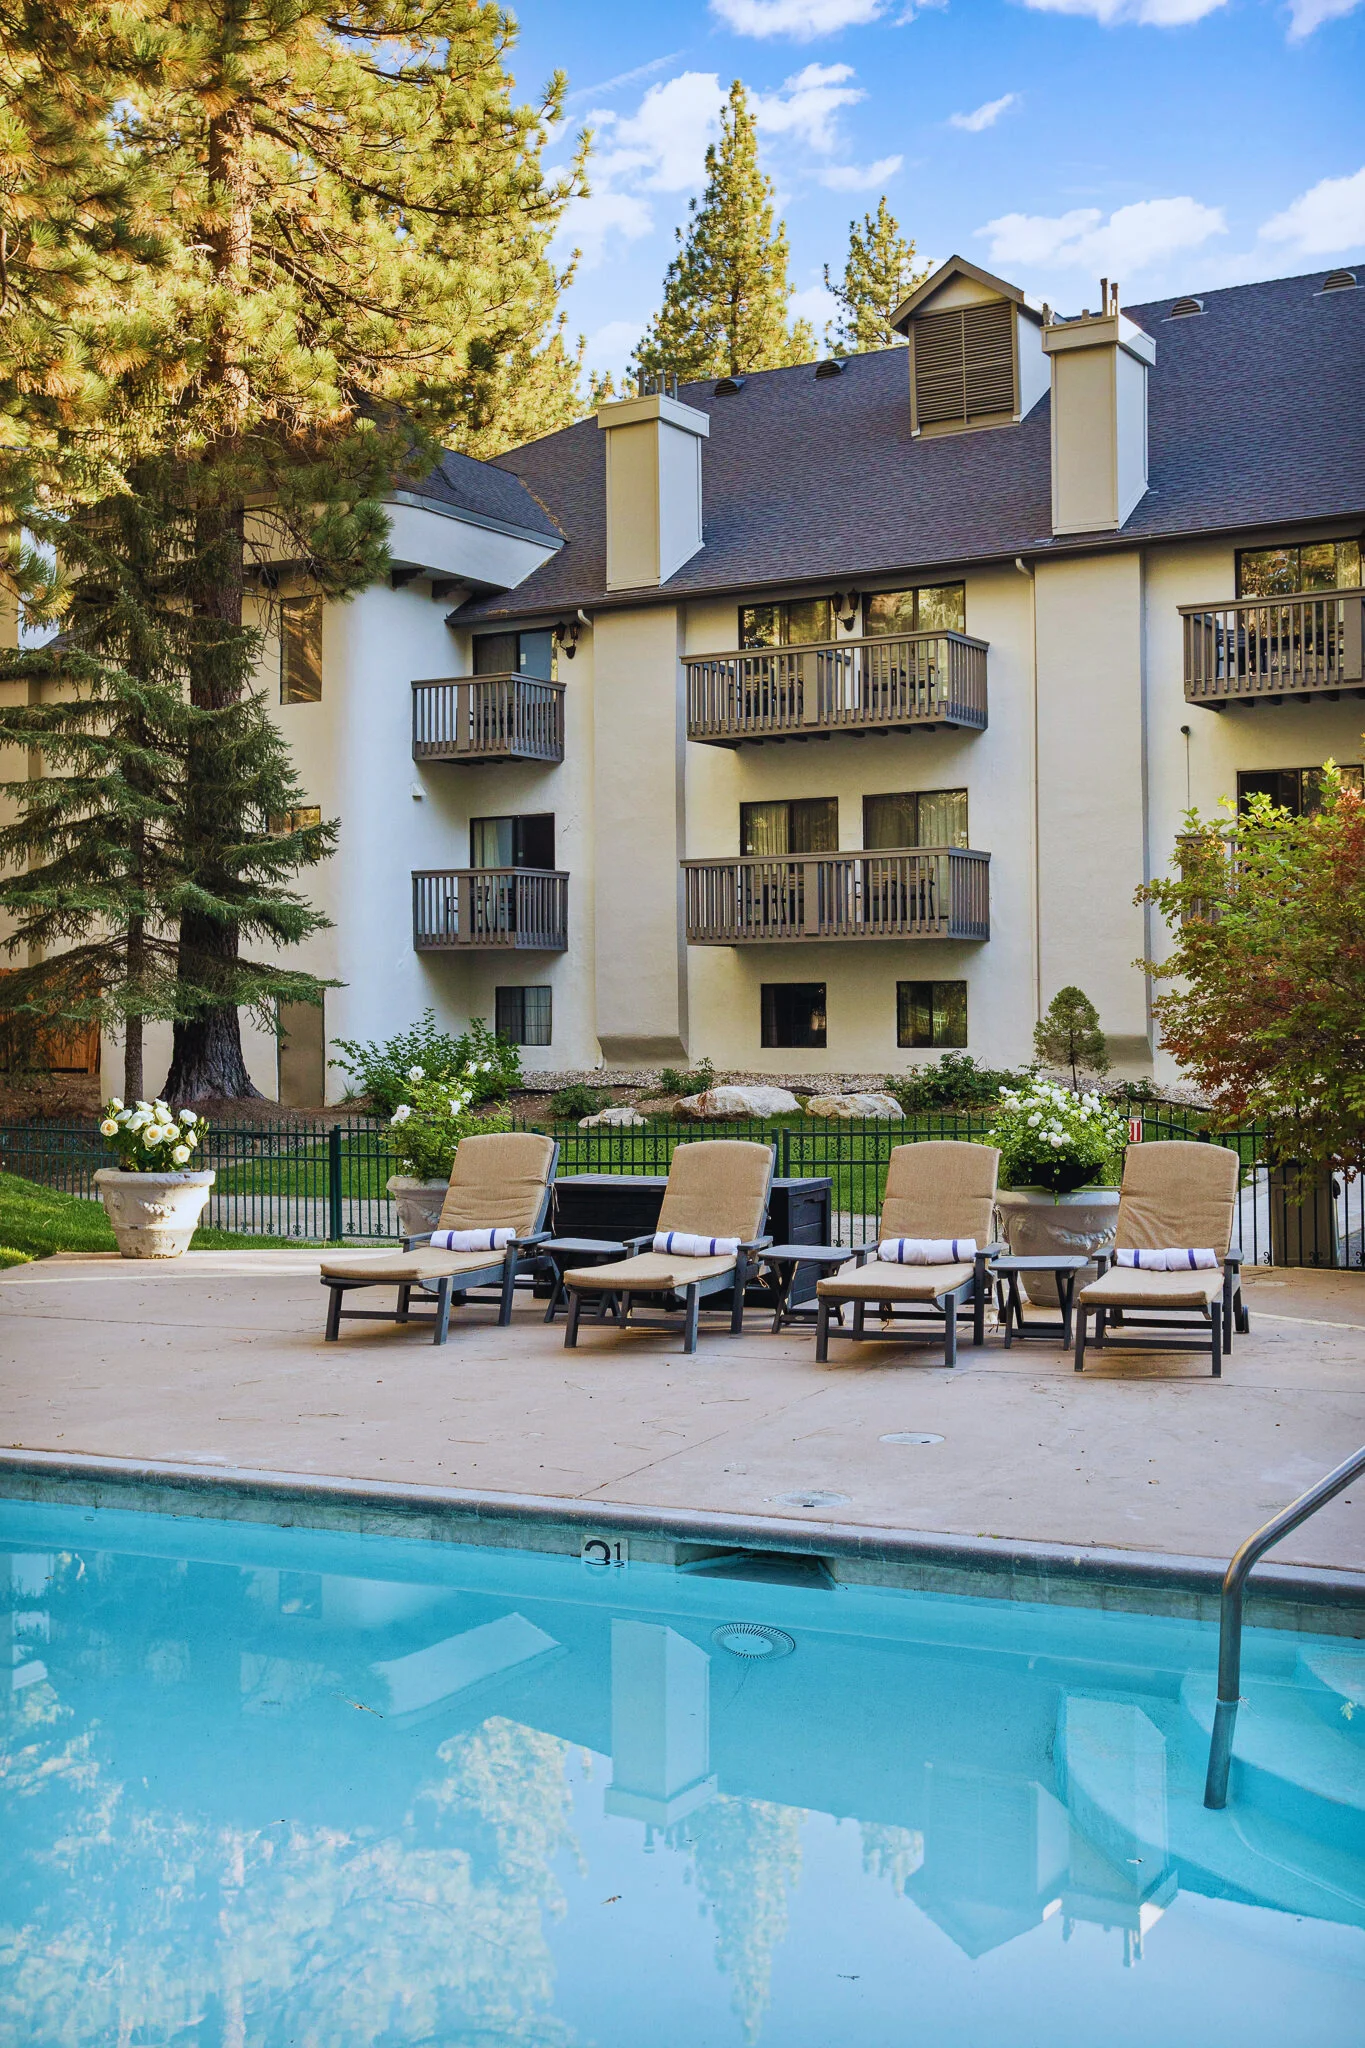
[1176, 1196]
[718, 1188]
[499, 1183]
[939, 1191]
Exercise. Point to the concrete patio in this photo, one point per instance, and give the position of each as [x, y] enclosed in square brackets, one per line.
[216, 1363]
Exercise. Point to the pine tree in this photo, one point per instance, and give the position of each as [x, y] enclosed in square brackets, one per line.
[879, 272]
[108, 847]
[725, 296]
[1069, 1034]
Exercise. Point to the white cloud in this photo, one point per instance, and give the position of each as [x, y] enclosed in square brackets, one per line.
[803, 21]
[816, 303]
[807, 105]
[1324, 221]
[611, 346]
[985, 116]
[588, 224]
[860, 177]
[585, 92]
[1132, 239]
[1306, 15]
[665, 138]
[1144, 13]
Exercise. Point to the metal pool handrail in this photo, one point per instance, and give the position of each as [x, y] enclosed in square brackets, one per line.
[1230, 1625]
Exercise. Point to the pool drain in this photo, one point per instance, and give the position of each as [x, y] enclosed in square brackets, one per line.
[812, 1499]
[752, 1639]
[911, 1436]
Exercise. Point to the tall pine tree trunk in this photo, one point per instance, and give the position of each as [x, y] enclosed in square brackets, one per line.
[206, 1059]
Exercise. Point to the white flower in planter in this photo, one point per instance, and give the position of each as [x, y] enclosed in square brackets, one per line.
[187, 1116]
[153, 1136]
[113, 1104]
[108, 1129]
[181, 1154]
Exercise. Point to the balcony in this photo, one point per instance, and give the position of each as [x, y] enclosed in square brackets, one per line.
[1308, 645]
[887, 683]
[934, 892]
[461, 910]
[488, 718]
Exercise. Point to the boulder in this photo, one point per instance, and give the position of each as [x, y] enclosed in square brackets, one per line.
[739, 1101]
[850, 1106]
[618, 1114]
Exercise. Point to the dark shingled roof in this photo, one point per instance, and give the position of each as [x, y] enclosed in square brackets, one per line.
[1255, 419]
[488, 491]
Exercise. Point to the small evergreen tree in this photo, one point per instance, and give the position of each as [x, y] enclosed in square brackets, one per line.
[878, 273]
[725, 296]
[1069, 1035]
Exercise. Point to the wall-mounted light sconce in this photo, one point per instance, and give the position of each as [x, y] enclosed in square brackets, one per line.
[566, 636]
[846, 603]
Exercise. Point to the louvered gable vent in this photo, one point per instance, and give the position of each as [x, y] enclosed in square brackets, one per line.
[964, 364]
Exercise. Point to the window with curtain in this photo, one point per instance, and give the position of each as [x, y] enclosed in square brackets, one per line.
[931, 1013]
[793, 1013]
[525, 842]
[523, 1015]
[1299, 566]
[924, 817]
[301, 650]
[932, 608]
[791, 825]
[516, 654]
[796, 622]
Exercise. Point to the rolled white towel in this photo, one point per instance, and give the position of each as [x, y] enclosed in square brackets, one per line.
[679, 1244]
[1172, 1259]
[471, 1240]
[926, 1251]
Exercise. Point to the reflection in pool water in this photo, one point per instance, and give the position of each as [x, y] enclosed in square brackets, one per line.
[265, 1787]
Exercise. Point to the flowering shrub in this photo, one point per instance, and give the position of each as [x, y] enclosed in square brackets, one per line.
[1052, 1138]
[438, 1111]
[491, 1064]
[150, 1137]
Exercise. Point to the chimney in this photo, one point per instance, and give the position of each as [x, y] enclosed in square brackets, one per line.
[653, 488]
[1099, 417]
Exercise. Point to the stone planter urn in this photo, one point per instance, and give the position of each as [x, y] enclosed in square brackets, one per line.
[418, 1203]
[1034, 1221]
[153, 1215]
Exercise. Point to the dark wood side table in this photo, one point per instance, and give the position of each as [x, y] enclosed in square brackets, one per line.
[785, 1262]
[1064, 1266]
[566, 1252]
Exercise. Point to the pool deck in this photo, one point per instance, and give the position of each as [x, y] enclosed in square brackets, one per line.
[214, 1366]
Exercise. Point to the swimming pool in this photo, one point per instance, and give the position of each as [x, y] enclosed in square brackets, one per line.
[265, 1787]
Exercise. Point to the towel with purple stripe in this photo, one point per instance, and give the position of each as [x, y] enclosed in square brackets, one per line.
[1173, 1259]
[471, 1240]
[679, 1244]
[926, 1251]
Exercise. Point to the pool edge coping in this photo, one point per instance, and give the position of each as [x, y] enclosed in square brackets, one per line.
[1023, 1557]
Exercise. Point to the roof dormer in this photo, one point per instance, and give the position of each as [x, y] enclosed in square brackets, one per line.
[976, 352]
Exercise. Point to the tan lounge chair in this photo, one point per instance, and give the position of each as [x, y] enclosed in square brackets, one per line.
[717, 1187]
[500, 1181]
[940, 1188]
[1175, 1196]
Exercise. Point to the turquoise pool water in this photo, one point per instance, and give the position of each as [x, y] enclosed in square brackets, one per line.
[265, 1788]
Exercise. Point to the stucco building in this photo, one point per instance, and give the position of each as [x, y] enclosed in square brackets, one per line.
[822, 718]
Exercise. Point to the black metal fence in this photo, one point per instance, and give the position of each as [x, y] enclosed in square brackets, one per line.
[299, 1181]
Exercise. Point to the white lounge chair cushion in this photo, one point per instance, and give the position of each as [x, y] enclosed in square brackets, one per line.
[1122, 1287]
[879, 1281]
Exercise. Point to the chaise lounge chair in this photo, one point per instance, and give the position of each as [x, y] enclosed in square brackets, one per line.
[500, 1181]
[941, 1189]
[717, 1188]
[1175, 1196]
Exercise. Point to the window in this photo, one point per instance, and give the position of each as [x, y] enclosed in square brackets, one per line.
[936, 608]
[793, 1013]
[302, 818]
[1297, 790]
[931, 1013]
[807, 824]
[924, 817]
[795, 623]
[1310, 565]
[301, 650]
[527, 842]
[516, 654]
[964, 364]
[523, 1015]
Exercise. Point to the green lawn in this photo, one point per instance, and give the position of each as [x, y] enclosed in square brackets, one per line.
[37, 1221]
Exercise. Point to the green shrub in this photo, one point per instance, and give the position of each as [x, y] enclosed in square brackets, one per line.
[954, 1082]
[384, 1072]
[578, 1100]
[429, 1123]
[702, 1077]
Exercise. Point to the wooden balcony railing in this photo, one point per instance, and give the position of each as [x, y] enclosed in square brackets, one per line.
[1305, 645]
[934, 892]
[481, 909]
[488, 718]
[885, 683]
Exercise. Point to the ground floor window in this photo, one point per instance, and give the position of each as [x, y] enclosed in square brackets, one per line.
[793, 1013]
[931, 1013]
[523, 1015]
[1297, 790]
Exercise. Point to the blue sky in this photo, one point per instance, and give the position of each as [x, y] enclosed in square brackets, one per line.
[1168, 143]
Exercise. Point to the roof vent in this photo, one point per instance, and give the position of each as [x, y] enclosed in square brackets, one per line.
[726, 387]
[833, 367]
[964, 364]
[1183, 308]
[1340, 281]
